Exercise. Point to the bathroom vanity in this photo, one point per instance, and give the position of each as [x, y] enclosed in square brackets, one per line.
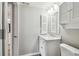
[49, 46]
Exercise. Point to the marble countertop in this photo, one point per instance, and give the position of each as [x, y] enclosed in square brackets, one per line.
[48, 37]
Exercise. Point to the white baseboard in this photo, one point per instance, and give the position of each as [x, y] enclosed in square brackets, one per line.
[32, 54]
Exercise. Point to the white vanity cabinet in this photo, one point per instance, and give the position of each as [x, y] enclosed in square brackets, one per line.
[65, 10]
[69, 15]
[49, 46]
[76, 10]
[75, 15]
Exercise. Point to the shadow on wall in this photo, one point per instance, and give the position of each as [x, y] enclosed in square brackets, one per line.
[70, 37]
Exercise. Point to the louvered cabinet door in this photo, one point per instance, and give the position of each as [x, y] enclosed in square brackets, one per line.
[63, 9]
[66, 18]
[76, 9]
[65, 12]
[70, 16]
[75, 12]
[69, 6]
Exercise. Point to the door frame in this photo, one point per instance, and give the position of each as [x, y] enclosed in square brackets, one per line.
[5, 28]
[15, 13]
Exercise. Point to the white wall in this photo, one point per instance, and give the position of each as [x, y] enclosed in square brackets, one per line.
[70, 37]
[29, 29]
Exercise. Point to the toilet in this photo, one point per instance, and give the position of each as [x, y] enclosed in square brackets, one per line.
[67, 50]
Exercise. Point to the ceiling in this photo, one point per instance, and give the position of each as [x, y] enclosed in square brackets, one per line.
[43, 5]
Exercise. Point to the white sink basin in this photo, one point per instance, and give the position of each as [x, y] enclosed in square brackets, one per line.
[48, 37]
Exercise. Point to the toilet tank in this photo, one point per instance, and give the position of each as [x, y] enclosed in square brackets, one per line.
[67, 50]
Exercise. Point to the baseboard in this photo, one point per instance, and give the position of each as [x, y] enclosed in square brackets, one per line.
[32, 54]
